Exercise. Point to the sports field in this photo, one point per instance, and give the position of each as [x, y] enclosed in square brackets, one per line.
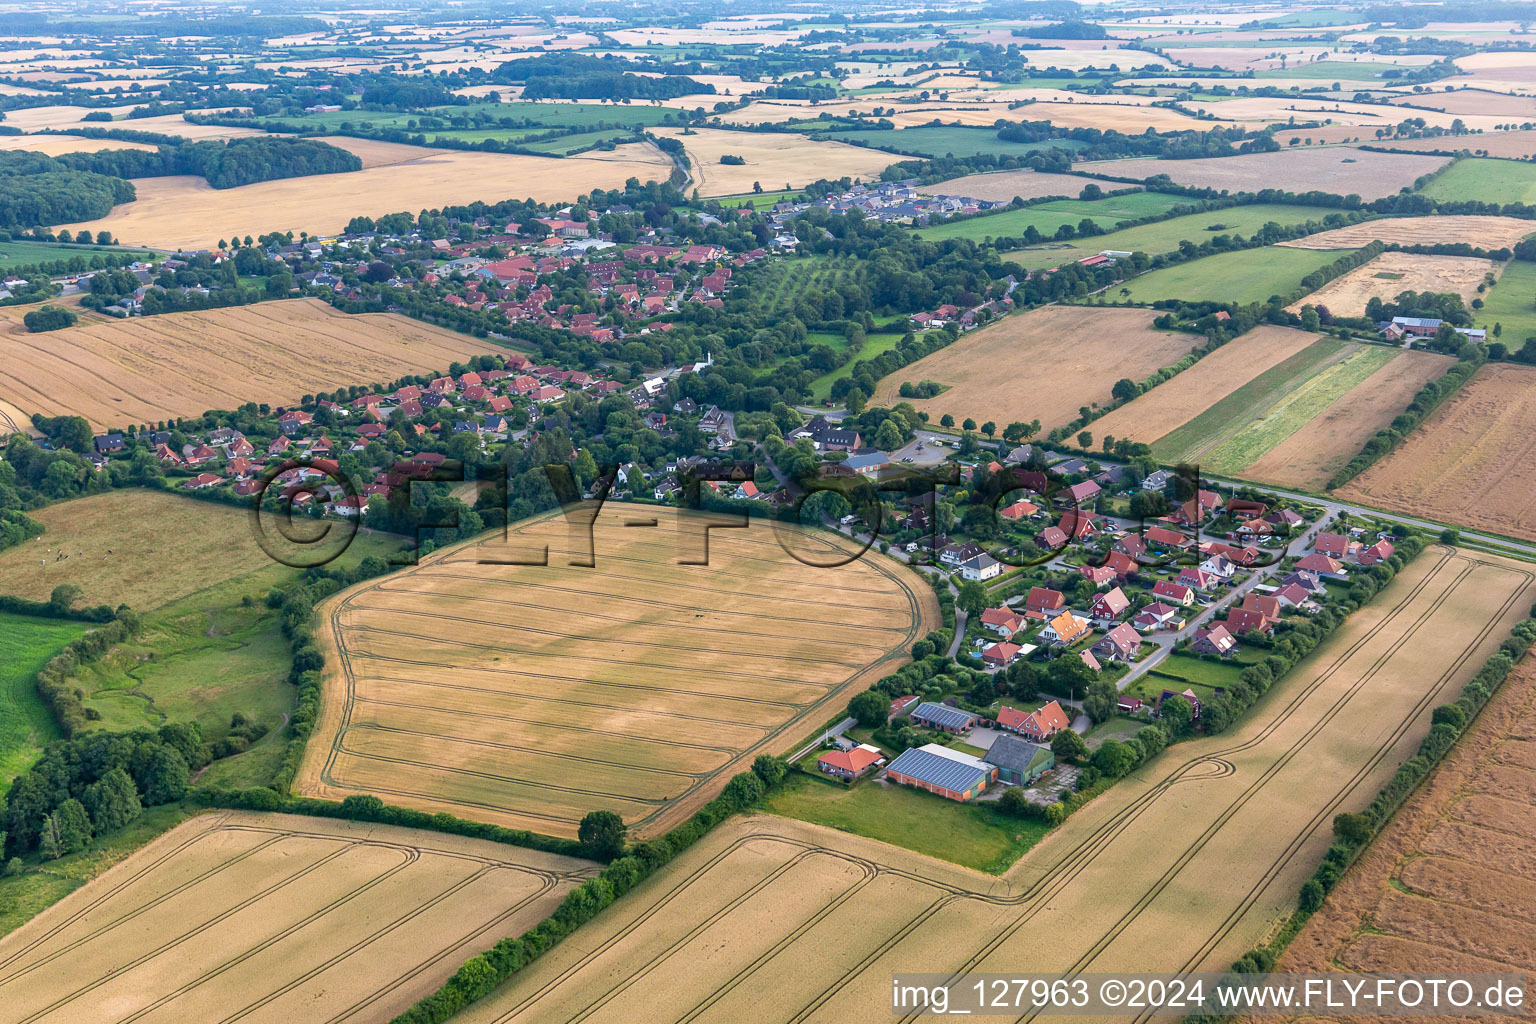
[1182, 866]
[1472, 461]
[1488, 181]
[26, 725]
[1043, 364]
[273, 917]
[144, 370]
[1165, 235]
[1242, 276]
[1437, 890]
[528, 695]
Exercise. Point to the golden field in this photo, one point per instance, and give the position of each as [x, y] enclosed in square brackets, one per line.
[1043, 364]
[275, 918]
[773, 160]
[529, 694]
[185, 212]
[143, 370]
[1180, 867]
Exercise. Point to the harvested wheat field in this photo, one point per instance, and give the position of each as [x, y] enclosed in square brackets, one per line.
[275, 917]
[1181, 866]
[783, 160]
[143, 370]
[528, 694]
[1004, 186]
[1436, 891]
[1341, 170]
[1326, 442]
[183, 211]
[1514, 145]
[1473, 461]
[1483, 232]
[58, 145]
[1044, 364]
[1393, 273]
[1175, 402]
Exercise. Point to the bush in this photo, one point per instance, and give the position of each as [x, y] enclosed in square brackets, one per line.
[49, 318]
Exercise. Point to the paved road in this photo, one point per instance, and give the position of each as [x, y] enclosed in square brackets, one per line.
[832, 733]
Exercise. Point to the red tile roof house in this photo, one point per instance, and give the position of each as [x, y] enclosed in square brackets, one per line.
[1039, 726]
[1044, 603]
[1078, 494]
[850, 764]
[1003, 621]
[1119, 644]
[202, 481]
[1051, 538]
[1161, 536]
[1174, 593]
[1378, 552]
[1198, 579]
[1099, 576]
[1109, 606]
[1334, 545]
[1020, 509]
[1157, 616]
[1266, 605]
[1000, 654]
[1246, 620]
[1323, 566]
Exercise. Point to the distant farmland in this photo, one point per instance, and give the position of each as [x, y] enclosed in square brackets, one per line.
[528, 695]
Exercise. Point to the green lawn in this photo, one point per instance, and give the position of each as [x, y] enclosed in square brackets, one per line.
[974, 835]
[1048, 217]
[1208, 674]
[26, 724]
[1295, 409]
[1165, 235]
[16, 254]
[1486, 180]
[1511, 304]
[946, 140]
[1224, 418]
[1242, 276]
[874, 344]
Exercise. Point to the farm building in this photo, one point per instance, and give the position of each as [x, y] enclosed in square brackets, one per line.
[944, 718]
[949, 773]
[1019, 762]
[850, 764]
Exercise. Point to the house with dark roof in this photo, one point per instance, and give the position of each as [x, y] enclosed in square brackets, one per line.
[944, 718]
[1018, 761]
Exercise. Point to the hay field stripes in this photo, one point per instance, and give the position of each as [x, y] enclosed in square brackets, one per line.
[117, 910]
[127, 370]
[773, 721]
[1452, 571]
